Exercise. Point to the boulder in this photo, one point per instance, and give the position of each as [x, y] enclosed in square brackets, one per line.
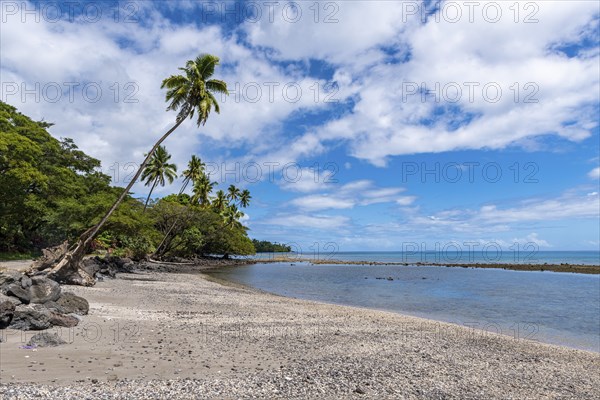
[92, 265]
[7, 310]
[25, 281]
[15, 289]
[45, 339]
[67, 321]
[43, 290]
[68, 303]
[12, 299]
[27, 318]
[8, 277]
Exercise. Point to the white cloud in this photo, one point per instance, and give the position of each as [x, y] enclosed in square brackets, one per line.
[406, 200]
[349, 195]
[595, 173]
[322, 202]
[310, 221]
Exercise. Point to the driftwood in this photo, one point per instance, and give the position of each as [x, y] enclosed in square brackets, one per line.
[50, 256]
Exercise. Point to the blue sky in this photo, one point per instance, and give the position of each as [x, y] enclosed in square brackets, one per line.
[373, 124]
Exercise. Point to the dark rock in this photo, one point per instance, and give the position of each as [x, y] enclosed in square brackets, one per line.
[43, 290]
[7, 310]
[92, 265]
[12, 299]
[15, 289]
[70, 303]
[29, 318]
[359, 390]
[67, 321]
[46, 339]
[8, 277]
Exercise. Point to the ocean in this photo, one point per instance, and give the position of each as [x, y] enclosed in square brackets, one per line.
[550, 307]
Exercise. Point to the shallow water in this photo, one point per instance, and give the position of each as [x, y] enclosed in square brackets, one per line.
[550, 307]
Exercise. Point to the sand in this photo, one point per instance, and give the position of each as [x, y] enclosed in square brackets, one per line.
[183, 335]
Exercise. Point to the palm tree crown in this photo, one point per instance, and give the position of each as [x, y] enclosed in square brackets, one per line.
[193, 91]
[158, 170]
[244, 198]
[202, 190]
[194, 172]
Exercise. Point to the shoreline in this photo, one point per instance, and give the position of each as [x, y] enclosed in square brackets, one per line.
[176, 334]
[564, 267]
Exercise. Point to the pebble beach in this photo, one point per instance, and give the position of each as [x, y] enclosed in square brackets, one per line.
[181, 335]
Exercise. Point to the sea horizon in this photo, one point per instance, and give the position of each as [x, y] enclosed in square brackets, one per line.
[582, 257]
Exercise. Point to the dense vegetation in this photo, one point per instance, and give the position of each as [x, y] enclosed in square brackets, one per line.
[264, 246]
[52, 191]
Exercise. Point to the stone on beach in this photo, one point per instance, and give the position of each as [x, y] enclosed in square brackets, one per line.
[43, 290]
[7, 310]
[45, 339]
[28, 317]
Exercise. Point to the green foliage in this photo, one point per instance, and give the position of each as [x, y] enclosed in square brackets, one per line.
[264, 246]
[51, 191]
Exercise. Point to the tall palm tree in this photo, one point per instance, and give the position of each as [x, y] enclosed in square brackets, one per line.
[233, 193]
[157, 170]
[189, 93]
[245, 198]
[193, 173]
[202, 190]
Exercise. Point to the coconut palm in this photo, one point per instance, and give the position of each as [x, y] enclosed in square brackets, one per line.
[157, 170]
[202, 190]
[233, 193]
[219, 201]
[231, 216]
[193, 173]
[189, 93]
[244, 198]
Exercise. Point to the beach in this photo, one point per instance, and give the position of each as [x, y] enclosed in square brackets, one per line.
[152, 334]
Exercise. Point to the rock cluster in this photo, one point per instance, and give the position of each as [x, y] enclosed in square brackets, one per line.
[37, 303]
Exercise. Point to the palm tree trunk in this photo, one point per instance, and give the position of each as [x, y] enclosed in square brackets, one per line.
[150, 194]
[68, 268]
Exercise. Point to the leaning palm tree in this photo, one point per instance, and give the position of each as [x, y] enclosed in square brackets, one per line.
[157, 170]
[193, 173]
[190, 93]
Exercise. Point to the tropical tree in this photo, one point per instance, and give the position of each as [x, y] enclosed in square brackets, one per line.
[244, 198]
[193, 173]
[190, 93]
[233, 193]
[202, 190]
[231, 216]
[157, 170]
[220, 201]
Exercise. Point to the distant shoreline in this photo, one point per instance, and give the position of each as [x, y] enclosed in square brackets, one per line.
[564, 267]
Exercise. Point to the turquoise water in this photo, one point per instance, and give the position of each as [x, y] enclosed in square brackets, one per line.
[460, 253]
[551, 307]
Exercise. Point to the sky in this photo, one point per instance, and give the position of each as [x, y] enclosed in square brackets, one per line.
[356, 125]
